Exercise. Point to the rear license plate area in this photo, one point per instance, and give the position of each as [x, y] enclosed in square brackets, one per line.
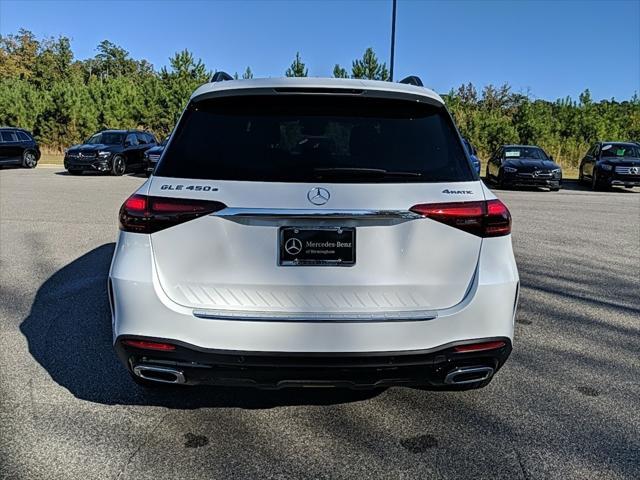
[330, 246]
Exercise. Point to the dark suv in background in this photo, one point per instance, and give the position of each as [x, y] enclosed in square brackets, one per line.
[17, 147]
[609, 164]
[152, 156]
[523, 166]
[113, 151]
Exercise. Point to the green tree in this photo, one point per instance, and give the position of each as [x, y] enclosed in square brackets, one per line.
[297, 68]
[369, 67]
[247, 74]
[339, 72]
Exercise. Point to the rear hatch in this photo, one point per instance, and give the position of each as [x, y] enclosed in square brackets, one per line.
[314, 216]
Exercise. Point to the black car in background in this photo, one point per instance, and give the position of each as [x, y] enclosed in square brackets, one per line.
[18, 147]
[113, 151]
[523, 166]
[609, 164]
[152, 156]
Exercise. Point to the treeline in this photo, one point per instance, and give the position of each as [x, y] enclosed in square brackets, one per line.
[44, 89]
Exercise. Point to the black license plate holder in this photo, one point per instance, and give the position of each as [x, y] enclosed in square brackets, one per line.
[317, 246]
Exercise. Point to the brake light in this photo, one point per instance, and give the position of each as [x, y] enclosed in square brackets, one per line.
[489, 218]
[145, 345]
[479, 347]
[143, 214]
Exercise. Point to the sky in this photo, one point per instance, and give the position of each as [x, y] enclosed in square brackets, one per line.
[547, 49]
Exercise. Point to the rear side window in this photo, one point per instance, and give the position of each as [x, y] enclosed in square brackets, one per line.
[309, 138]
[9, 136]
[23, 137]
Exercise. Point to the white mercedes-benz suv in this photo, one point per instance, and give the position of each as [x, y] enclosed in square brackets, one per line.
[314, 232]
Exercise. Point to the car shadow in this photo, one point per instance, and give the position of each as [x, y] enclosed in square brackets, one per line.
[68, 331]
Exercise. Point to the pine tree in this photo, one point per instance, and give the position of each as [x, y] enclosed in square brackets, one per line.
[369, 67]
[247, 74]
[297, 68]
[339, 72]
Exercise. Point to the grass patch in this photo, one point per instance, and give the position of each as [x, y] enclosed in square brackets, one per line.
[51, 158]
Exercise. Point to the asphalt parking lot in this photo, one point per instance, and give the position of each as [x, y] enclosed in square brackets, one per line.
[566, 404]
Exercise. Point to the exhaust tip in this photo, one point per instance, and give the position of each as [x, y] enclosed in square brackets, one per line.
[467, 375]
[159, 374]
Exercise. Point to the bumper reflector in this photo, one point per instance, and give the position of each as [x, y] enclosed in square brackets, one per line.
[145, 345]
[479, 347]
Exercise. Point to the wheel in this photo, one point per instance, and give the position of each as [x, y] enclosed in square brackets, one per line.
[29, 159]
[500, 181]
[554, 189]
[75, 172]
[580, 175]
[118, 166]
[596, 185]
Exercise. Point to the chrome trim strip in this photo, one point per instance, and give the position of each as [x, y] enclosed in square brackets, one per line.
[317, 317]
[314, 213]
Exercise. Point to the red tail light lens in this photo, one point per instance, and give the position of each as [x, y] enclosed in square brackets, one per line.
[142, 214]
[145, 345]
[485, 218]
[479, 347]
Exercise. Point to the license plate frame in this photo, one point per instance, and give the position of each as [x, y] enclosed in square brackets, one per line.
[320, 253]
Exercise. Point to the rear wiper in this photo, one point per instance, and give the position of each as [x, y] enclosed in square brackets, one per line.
[353, 171]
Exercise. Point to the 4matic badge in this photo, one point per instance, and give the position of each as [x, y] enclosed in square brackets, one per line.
[458, 192]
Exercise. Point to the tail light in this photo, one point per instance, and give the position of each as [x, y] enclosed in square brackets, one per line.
[489, 218]
[143, 214]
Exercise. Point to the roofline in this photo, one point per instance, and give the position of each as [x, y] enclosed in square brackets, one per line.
[315, 86]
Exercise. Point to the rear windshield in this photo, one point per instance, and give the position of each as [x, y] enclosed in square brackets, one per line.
[288, 138]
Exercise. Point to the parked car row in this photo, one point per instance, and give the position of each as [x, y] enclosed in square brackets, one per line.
[117, 152]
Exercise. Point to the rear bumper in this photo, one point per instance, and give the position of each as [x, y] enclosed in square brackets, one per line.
[141, 309]
[273, 370]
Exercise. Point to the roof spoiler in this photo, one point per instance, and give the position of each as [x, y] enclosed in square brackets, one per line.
[221, 77]
[412, 80]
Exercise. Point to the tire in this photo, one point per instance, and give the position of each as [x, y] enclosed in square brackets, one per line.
[580, 175]
[500, 181]
[118, 166]
[554, 189]
[29, 159]
[596, 185]
[75, 172]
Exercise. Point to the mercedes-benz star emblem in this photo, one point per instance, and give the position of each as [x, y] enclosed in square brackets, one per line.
[634, 170]
[318, 195]
[293, 246]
